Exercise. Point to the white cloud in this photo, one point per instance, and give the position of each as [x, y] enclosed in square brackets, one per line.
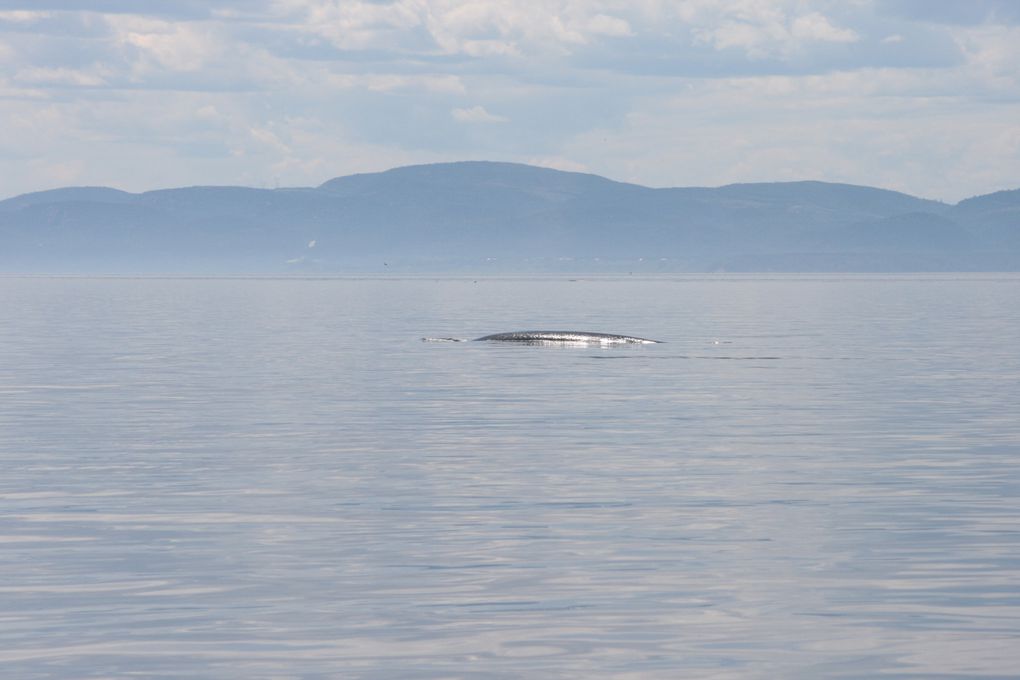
[476, 114]
[268, 139]
[557, 163]
[764, 29]
[657, 91]
[23, 16]
[815, 26]
[603, 24]
[58, 76]
[993, 53]
[477, 28]
[167, 45]
[858, 128]
[356, 25]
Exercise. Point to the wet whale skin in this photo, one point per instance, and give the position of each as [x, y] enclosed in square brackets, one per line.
[539, 337]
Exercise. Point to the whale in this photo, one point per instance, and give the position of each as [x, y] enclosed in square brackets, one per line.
[565, 338]
[555, 338]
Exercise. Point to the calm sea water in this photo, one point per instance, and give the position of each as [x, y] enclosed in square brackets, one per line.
[815, 477]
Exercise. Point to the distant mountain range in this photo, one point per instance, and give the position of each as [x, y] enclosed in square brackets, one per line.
[503, 217]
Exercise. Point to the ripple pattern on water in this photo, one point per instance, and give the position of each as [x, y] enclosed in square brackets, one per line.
[814, 477]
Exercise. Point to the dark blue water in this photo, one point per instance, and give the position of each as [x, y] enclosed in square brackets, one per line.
[814, 477]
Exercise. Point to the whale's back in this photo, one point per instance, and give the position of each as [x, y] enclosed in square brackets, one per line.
[565, 337]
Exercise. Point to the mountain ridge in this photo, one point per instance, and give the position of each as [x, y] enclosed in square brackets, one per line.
[493, 216]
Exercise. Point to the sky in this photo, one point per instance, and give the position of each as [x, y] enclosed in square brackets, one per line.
[920, 96]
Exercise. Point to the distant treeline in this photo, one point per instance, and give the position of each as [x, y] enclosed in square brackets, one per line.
[502, 217]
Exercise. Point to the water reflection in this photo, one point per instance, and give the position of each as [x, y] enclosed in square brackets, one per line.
[278, 479]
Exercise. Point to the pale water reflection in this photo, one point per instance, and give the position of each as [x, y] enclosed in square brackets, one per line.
[813, 477]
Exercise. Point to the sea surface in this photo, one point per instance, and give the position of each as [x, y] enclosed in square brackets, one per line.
[812, 477]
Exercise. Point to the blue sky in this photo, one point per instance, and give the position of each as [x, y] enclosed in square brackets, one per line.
[921, 96]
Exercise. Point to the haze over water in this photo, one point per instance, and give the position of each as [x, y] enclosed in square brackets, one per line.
[814, 477]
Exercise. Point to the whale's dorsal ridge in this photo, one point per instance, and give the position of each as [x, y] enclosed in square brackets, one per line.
[566, 337]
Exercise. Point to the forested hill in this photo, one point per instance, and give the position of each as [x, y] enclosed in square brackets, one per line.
[503, 217]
